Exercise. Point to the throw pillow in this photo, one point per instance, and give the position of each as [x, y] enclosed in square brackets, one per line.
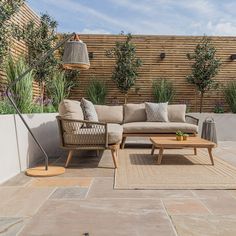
[176, 113]
[89, 111]
[156, 111]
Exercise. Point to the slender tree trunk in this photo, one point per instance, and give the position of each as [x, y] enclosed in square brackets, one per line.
[126, 98]
[42, 90]
[201, 101]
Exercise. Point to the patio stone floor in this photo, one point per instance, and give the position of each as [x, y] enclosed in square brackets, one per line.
[83, 201]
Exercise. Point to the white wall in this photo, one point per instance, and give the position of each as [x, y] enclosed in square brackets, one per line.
[225, 124]
[18, 149]
[9, 158]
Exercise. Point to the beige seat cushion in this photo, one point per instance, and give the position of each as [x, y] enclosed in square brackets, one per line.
[115, 132]
[134, 113]
[84, 136]
[109, 114]
[70, 109]
[176, 113]
[159, 127]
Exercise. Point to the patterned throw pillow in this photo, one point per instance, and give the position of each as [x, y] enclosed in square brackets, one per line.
[156, 111]
[89, 111]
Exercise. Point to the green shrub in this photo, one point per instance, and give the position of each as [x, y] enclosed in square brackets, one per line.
[163, 90]
[6, 107]
[97, 92]
[22, 91]
[59, 87]
[230, 95]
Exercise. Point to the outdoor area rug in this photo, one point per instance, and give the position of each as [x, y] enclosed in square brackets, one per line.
[180, 169]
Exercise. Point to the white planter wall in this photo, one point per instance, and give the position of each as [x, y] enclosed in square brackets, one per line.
[9, 156]
[225, 124]
[18, 149]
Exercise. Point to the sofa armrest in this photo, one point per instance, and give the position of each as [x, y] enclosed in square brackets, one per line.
[82, 133]
[191, 120]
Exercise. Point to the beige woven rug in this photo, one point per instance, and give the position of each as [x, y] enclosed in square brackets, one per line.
[180, 169]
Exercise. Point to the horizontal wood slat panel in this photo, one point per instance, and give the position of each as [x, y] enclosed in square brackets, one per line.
[18, 48]
[174, 67]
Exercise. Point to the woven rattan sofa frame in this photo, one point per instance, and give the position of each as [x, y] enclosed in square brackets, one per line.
[88, 146]
[189, 119]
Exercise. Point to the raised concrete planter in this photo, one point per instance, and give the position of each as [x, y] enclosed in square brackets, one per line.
[18, 149]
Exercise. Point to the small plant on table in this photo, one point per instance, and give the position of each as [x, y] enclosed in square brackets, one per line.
[179, 135]
[185, 137]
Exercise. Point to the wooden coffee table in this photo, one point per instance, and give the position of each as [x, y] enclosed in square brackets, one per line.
[170, 142]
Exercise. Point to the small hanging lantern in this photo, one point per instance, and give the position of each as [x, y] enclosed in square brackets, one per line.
[75, 55]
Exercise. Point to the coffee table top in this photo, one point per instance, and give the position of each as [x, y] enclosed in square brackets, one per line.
[171, 142]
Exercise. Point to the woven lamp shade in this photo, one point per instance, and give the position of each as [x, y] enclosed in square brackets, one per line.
[75, 56]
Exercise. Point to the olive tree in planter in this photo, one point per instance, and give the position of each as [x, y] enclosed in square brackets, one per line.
[125, 72]
[205, 67]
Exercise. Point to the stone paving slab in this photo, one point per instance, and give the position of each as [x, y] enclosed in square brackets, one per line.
[101, 217]
[6, 193]
[202, 194]
[78, 171]
[10, 226]
[69, 193]
[205, 225]
[221, 205]
[25, 202]
[103, 188]
[61, 182]
[18, 180]
[185, 207]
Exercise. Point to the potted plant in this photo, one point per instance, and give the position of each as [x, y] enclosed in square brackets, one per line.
[185, 137]
[179, 135]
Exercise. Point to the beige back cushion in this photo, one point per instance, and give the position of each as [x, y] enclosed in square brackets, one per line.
[176, 113]
[71, 109]
[134, 113]
[109, 114]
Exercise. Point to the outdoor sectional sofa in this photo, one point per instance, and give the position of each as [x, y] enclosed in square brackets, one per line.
[115, 124]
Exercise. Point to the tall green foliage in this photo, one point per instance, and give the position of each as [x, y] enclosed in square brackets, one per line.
[125, 72]
[59, 87]
[230, 95]
[97, 92]
[7, 9]
[205, 67]
[22, 91]
[39, 39]
[163, 90]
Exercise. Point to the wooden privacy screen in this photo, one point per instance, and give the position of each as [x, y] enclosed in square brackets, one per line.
[175, 66]
[18, 48]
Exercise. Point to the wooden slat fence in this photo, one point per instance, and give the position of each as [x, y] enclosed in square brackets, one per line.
[175, 67]
[18, 48]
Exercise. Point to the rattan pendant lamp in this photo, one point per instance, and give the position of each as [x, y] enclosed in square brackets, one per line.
[75, 57]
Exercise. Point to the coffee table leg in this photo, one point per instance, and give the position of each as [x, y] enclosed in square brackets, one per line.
[195, 151]
[160, 156]
[211, 156]
[153, 149]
